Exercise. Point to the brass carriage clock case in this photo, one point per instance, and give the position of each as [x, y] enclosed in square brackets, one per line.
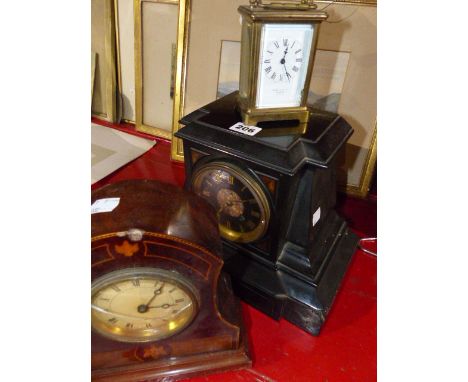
[285, 16]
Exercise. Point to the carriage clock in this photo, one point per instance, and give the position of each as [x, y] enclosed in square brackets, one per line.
[278, 43]
[284, 245]
[160, 308]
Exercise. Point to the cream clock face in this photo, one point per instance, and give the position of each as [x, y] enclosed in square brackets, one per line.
[141, 304]
[284, 55]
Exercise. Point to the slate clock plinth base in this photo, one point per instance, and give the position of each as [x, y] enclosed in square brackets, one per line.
[280, 293]
[294, 269]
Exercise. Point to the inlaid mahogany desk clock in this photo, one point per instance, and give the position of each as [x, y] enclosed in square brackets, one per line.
[285, 247]
[160, 308]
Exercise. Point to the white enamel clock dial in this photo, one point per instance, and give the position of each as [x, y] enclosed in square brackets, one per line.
[284, 55]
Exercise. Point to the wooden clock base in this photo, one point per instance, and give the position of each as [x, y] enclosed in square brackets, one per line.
[174, 368]
[168, 370]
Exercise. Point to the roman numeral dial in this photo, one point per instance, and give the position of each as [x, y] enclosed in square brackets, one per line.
[284, 56]
[141, 304]
[282, 59]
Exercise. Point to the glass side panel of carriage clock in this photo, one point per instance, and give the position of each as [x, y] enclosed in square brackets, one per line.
[284, 54]
[245, 57]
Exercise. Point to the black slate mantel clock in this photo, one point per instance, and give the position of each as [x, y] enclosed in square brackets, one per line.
[285, 247]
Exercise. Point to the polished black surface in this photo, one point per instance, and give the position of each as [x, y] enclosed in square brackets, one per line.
[279, 146]
[294, 270]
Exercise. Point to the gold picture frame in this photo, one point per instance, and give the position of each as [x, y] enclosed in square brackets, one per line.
[175, 76]
[221, 19]
[125, 59]
[104, 100]
[353, 28]
[362, 189]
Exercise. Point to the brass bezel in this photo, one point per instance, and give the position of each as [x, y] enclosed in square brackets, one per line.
[119, 64]
[117, 59]
[255, 18]
[130, 273]
[181, 54]
[253, 186]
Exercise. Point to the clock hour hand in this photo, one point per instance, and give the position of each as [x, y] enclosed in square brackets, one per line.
[144, 307]
[164, 306]
[283, 60]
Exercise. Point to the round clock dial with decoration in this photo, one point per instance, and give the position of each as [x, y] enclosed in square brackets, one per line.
[289, 261]
[240, 202]
[142, 304]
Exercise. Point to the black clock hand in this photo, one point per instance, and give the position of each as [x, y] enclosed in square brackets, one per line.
[144, 307]
[164, 306]
[287, 74]
[156, 293]
[283, 60]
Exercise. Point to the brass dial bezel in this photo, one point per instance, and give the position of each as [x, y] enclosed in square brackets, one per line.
[106, 330]
[254, 187]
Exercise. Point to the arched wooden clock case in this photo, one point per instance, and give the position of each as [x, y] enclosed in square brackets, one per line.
[295, 268]
[160, 227]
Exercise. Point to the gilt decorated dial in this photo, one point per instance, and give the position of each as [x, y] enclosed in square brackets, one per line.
[241, 206]
[141, 304]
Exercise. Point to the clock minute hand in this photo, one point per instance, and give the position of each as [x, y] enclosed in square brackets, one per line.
[283, 62]
[144, 307]
[157, 292]
[287, 74]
